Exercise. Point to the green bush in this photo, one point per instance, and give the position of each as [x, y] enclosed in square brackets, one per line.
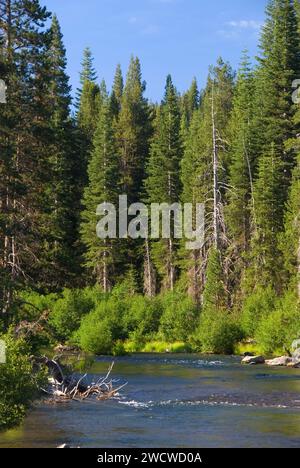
[68, 311]
[142, 317]
[278, 330]
[258, 306]
[218, 333]
[18, 384]
[95, 335]
[102, 327]
[180, 318]
[32, 304]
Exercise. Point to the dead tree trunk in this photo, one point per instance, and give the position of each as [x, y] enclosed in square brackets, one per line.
[215, 176]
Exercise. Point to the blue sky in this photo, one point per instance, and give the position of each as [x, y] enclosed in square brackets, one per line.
[181, 37]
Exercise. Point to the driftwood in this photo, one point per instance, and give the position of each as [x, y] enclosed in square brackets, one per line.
[68, 388]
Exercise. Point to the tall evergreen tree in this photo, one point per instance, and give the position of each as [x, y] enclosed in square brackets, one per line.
[23, 141]
[269, 206]
[65, 187]
[279, 66]
[88, 73]
[117, 93]
[133, 129]
[163, 182]
[102, 255]
[240, 209]
[206, 162]
[133, 132]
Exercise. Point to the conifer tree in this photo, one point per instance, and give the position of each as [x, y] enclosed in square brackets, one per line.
[132, 132]
[163, 182]
[88, 73]
[240, 209]
[133, 129]
[189, 103]
[65, 186]
[101, 254]
[265, 263]
[23, 142]
[208, 137]
[117, 93]
[279, 66]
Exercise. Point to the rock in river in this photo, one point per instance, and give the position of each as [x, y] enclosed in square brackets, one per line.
[253, 360]
[280, 362]
[296, 355]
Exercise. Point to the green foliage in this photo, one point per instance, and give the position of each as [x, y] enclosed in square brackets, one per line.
[32, 304]
[18, 384]
[280, 328]
[217, 334]
[142, 317]
[258, 306]
[95, 335]
[180, 318]
[68, 310]
[214, 296]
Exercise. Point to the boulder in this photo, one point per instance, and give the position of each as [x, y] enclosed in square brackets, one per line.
[280, 362]
[296, 355]
[296, 345]
[253, 360]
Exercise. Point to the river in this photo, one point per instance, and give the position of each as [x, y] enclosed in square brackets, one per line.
[177, 401]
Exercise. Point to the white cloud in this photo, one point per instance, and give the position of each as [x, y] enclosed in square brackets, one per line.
[245, 24]
[150, 30]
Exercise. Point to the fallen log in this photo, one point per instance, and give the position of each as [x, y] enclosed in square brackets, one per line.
[68, 388]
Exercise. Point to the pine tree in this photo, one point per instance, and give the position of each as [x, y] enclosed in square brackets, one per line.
[163, 182]
[289, 241]
[132, 132]
[101, 254]
[265, 266]
[23, 141]
[189, 103]
[279, 66]
[240, 209]
[117, 93]
[133, 129]
[208, 137]
[88, 73]
[65, 187]
[214, 295]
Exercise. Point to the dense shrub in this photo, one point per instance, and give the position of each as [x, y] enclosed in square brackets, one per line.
[101, 327]
[278, 330]
[18, 384]
[180, 318]
[142, 317]
[68, 311]
[218, 333]
[258, 306]
[31, 304]
[95, 335]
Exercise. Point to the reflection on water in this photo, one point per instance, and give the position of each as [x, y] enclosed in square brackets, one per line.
[175, 401]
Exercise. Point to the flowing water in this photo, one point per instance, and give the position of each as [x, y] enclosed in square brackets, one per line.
[177, 401]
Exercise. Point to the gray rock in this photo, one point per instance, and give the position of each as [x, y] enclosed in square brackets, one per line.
[296, 355]
[253, 360]
[279, 362]
[296, 345]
